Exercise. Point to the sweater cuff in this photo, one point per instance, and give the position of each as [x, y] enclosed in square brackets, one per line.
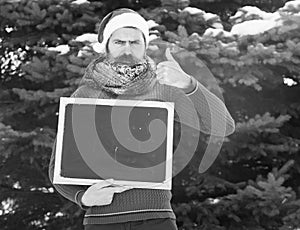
[78, 198]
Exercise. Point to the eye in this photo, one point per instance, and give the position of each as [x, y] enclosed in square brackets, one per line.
[135, 42]
[118, 42]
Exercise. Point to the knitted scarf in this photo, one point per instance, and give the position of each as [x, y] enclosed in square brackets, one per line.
[120, 80]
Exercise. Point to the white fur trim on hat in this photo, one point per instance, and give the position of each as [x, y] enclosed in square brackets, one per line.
[123, 20]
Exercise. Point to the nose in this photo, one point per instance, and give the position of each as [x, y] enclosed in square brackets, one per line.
[127, 48]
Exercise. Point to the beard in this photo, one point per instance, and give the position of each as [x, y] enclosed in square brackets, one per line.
[128, 67]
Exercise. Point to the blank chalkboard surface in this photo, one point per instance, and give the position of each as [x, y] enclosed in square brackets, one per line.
[127, 140]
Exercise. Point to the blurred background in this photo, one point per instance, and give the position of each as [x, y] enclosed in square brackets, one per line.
[251, 47]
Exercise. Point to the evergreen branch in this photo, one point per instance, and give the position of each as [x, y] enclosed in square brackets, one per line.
[23, 191]
[44, 175]
[229, 184]
[7, 102]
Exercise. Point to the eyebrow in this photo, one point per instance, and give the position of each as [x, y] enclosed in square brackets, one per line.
[120, 40]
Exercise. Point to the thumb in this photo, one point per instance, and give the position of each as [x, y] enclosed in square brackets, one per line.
[103, 184]
[169, 56]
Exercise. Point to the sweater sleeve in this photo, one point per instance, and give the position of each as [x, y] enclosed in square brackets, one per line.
[73, 193]
[214, 118]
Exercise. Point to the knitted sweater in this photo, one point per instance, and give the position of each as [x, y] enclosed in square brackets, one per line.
[139, 204]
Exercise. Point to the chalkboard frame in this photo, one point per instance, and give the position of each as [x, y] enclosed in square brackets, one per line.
[166, 184]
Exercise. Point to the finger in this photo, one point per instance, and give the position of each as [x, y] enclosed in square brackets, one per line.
[159, 65]
[169, 66]
[160, 76]
[169, 56]
[164, 67]
[103, 183]
[125, 188]
[164, 64]
[105, 201]
[160, 71]
[112, 190]
[117, 185]
[162, 81]
[114, 185]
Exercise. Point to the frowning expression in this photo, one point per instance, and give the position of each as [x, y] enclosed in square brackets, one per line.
[126, 46]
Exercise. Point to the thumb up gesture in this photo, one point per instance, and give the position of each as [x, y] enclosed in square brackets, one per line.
[170, 73]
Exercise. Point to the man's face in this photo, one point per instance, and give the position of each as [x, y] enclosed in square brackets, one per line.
[126, 46]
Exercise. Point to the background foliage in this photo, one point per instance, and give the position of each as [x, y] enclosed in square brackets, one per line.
[254, 182]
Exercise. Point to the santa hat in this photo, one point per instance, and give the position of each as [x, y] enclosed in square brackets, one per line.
[121, 18]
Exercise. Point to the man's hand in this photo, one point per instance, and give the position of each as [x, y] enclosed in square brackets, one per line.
[101, 193]
[170, 73]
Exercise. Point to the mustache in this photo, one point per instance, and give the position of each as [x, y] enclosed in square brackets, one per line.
[127, 59]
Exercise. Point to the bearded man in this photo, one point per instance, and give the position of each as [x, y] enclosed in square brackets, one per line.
[124, 71]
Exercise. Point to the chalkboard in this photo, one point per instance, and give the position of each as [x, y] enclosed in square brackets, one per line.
[127, 140]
